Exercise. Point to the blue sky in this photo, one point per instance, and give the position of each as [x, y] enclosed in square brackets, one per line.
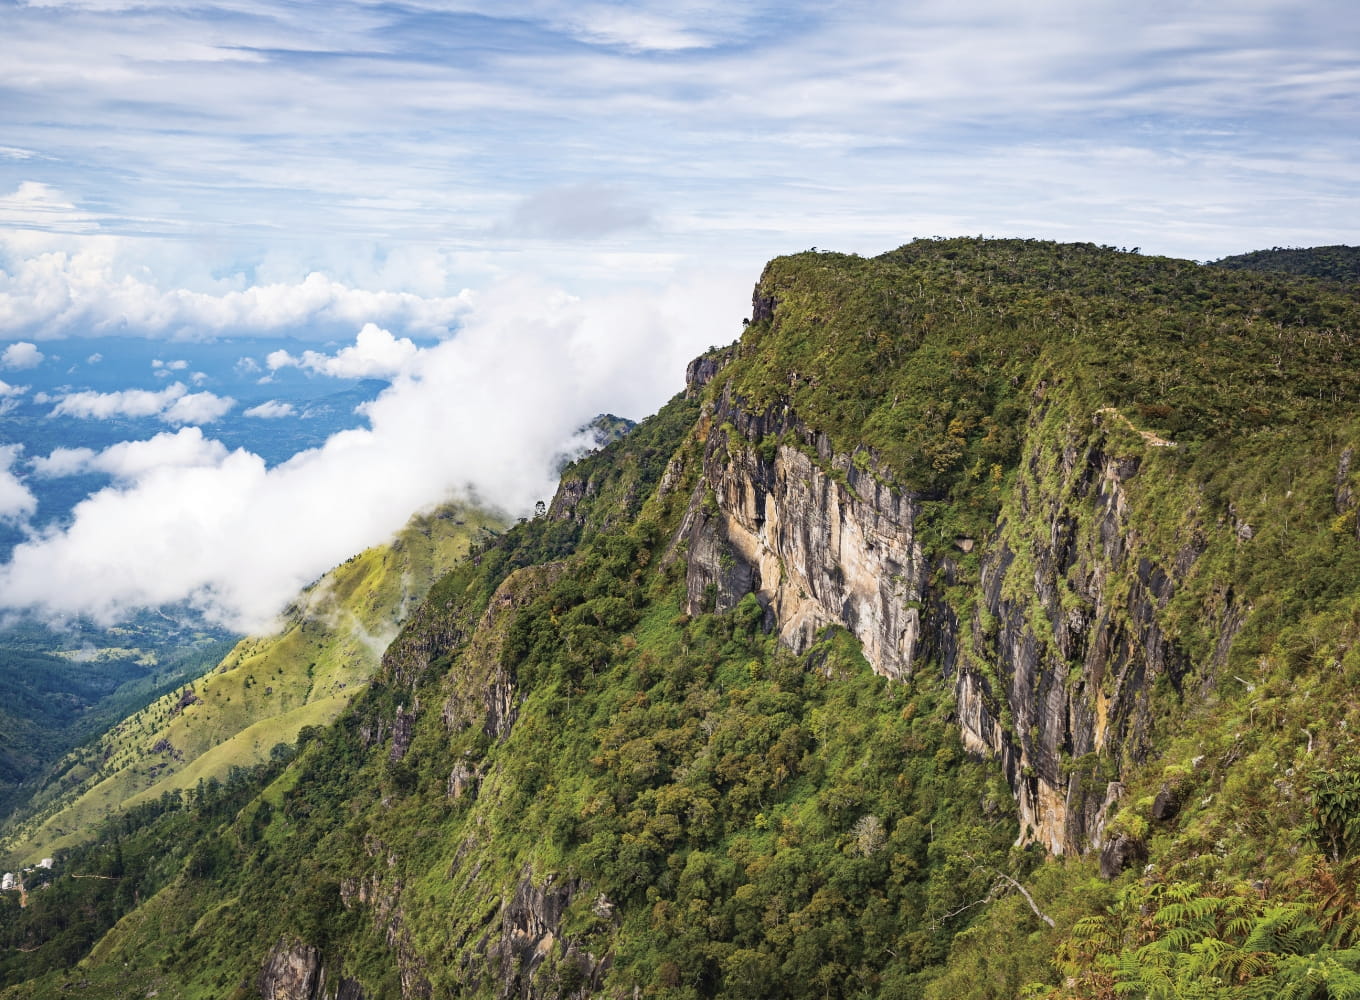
[428, 146]
[590, 186]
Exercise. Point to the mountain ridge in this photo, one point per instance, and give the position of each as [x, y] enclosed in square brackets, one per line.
[901, 640]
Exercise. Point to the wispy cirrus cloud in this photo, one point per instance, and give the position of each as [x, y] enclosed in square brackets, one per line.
[431, 122]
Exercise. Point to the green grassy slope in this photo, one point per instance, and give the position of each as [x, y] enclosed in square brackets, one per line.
[260, 694]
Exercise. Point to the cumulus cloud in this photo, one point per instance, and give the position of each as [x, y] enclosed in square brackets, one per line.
[131, 461]
[17, 503]
[63, 462]
[482, 415]
[11, 390]
[186, 448]
[21, 355]
[375, 354]
[272, 410]
[174, 405]
[197, 408]
[61, 285]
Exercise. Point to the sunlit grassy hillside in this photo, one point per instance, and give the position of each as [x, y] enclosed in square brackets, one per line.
[261, 694]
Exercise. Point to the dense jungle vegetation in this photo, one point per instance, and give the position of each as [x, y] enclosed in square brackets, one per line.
[566, 781]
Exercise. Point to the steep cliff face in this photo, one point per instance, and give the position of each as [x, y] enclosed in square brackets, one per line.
[817, 539]
[1053, 638]
[1056, 673]
[294, 971]
[1131, 599]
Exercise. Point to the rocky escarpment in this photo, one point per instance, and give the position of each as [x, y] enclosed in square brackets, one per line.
[1055, 672]
[294, 971]
[818, 539]
[1050, 628]
[482, 691]
[531, 929]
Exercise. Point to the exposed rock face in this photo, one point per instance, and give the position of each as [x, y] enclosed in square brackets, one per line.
[1166, 804]
[462, 780]
[1054, 671]
[1121, 853]
[702, 370]
[431, 633]
[294, 971]
[531, 922]
[403, 727]
[817, 541]
[483, 690]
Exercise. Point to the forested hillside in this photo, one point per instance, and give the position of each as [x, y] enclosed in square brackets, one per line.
[984, 623]
[1335, 263]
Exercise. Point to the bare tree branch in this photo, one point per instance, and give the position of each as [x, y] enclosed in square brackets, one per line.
[1028, 899]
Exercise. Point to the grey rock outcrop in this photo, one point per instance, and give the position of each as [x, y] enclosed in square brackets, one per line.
[294, 971]
[819, 540]
[1121, 853]
[1054, 671]
[530, 934]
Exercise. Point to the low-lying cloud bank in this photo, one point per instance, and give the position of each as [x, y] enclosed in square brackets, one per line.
[482, 415]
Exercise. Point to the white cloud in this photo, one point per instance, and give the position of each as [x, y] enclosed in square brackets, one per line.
[416, 117]
[198, 408]
[271, 410]
[94, 358]
[63, 462]
[41, 206]
[375, 354]
[21, 355]
[17, 503]
[280, 359]
[93, 405]
[11, 390]
[484, 414]
[174, 405]
[579, 211]
[172, 366]
[59, 285]
[132, 461]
